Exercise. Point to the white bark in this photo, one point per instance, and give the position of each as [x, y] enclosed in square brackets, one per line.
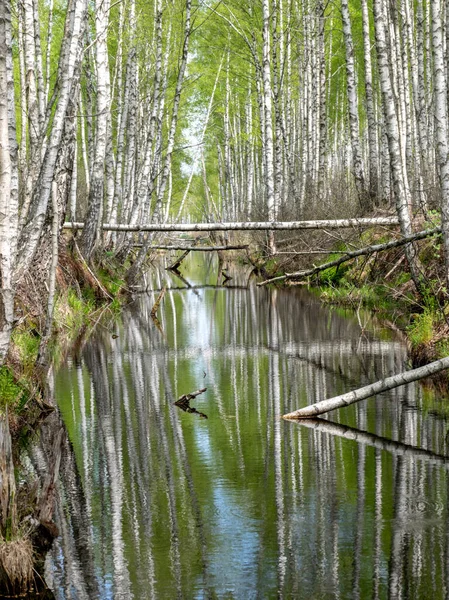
[31, 231]
[370, 108]
[392, 131]
[353, 109]
[247, 226]
[441, 122]
[367, 391]
[8, 185]
[89, 238]
[268, 122]
[201, 139]
[137, 265]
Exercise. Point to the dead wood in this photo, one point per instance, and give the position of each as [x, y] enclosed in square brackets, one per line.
[350, 254]
[248, 225]
[158, 301]
[367, 391]
[183, 403]
[175, 266]
[195, 248]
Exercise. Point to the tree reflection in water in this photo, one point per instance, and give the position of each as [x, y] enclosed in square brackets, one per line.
[157, 504]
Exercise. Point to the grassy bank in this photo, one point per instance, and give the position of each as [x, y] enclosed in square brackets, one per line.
[382, 283]
[83, 297]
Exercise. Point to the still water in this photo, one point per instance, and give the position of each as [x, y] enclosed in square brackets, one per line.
[157, 502]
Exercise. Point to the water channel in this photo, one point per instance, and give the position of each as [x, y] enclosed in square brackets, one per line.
[231, 501]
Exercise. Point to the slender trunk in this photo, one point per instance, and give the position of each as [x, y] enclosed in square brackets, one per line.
[353, 109]
[392, 131]
[268, 123]
[90, 236]
[71, 55]
[367, 391]
[370, 109]
[8, 182]
[441, 122]
[322, 144]
[135, 268]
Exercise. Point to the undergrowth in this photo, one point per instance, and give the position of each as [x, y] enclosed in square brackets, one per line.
[382, 283]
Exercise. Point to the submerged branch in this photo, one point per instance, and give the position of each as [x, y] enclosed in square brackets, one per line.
[158, 301]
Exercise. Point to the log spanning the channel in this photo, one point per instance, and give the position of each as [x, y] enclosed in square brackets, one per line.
[247, 225]
[369, 390]
[197, 248]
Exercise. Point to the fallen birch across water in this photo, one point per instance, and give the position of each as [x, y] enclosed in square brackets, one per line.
[369, 390]
[246, 225]
[354, 254]
[198, 248]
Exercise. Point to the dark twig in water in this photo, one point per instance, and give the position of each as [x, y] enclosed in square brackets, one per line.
[183, 402]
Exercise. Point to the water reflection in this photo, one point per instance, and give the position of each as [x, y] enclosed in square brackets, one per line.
[157, 504]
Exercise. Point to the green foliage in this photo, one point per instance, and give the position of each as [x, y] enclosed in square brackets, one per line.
[72, 310]
[10, 391]
[421, 330]
[333, 275]
[442, 348]
[26, 343]
[402, 278]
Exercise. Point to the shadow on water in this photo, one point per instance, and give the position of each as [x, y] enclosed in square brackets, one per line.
[157, 504]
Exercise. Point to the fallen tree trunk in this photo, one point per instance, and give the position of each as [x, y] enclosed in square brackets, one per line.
[350, 254]
[175, 266]
[247, 225]
[198, 248]
[158, 301]
[383, 385]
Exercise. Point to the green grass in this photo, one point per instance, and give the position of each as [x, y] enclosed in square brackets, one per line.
[421, 329]
[12, 393]
[26, 343]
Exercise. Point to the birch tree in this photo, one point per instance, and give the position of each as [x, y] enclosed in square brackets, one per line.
[93, 218]
[441, 121]
[353, 110]
[69, 69]
[8, 182]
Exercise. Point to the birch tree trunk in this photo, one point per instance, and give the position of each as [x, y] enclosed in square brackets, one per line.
[370, 109]
[8, 183]
[268, 123]
[392, 131]
[135, 268]
[441, 122]
[90, 236]
[383, 385]
[351, 88]
[71, 56]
